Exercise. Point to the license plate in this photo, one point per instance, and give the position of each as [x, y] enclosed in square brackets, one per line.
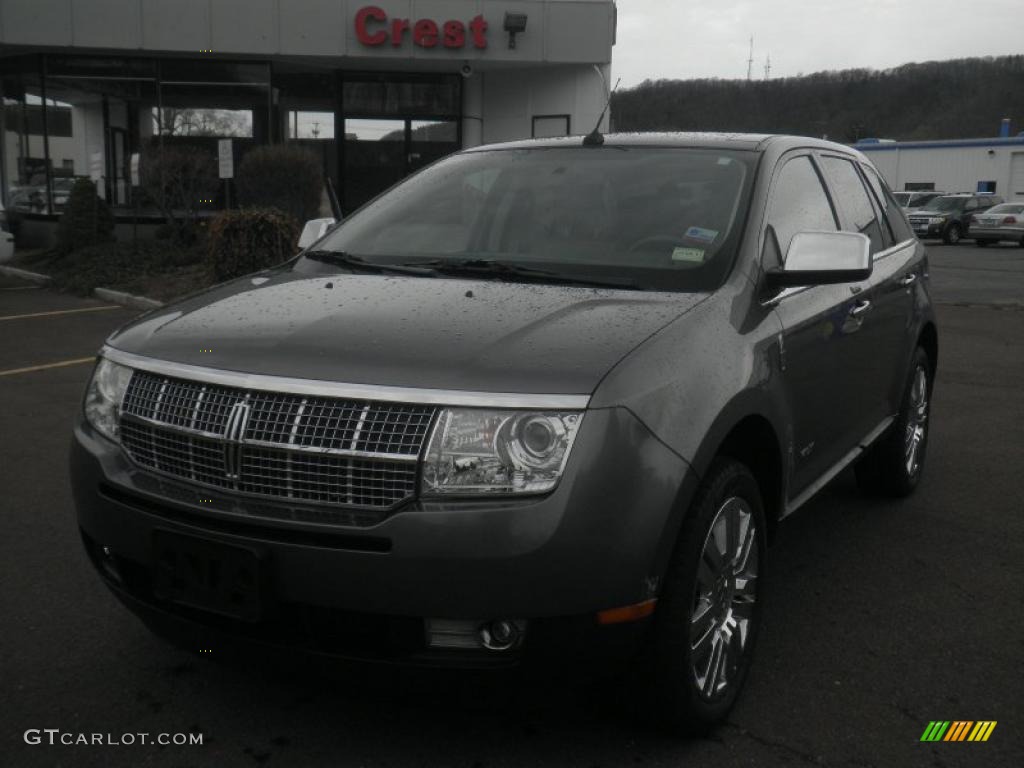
[207, 575]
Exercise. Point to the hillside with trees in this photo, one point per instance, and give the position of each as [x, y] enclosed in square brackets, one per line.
[960, 98]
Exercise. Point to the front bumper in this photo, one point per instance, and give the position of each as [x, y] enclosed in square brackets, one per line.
[601, 540]
[926, 230]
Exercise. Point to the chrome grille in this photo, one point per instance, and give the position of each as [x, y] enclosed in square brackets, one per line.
[285, 446]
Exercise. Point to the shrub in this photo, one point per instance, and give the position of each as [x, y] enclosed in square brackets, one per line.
[86, 220]
[281, 176]
[109, 265]
[241, 242]
[175, 179]
[164, 231]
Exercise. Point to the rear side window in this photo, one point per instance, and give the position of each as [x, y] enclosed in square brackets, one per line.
[852, 199]
[890, 209]
[799, 204]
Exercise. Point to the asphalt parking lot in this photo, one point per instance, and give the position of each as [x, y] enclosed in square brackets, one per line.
[882, 616]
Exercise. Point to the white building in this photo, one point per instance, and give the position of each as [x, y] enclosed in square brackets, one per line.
[968, 165]
[377, 88]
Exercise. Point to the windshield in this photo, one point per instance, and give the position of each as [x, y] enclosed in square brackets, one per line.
[902, 197]
[664, 218]
[948, 204]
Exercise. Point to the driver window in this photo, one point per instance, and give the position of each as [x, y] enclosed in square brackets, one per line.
[971, 205]
[798, 204]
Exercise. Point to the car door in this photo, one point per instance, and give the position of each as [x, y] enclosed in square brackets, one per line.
[818, 355]
[897, 295]
[870, 351]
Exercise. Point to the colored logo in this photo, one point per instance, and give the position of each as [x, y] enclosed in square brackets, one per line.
[958, 730]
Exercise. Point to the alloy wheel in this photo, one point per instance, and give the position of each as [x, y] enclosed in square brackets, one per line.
[917, 421]
[725, 594]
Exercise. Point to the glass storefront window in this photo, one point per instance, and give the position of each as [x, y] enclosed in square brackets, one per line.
[385, 96]
[374, 158]
[550, 126]
[28, 176]
[103, 115]
[310, 125]
[379, 153]
[200, 121]
[369, 129]
[431, 140]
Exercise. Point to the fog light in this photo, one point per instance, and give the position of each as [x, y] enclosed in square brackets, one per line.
[471, 634]
[108, 564]
[499, 635]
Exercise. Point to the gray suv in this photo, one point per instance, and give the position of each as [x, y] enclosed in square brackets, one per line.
[541, 400]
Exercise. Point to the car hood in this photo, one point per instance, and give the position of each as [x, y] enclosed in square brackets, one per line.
[434, 333]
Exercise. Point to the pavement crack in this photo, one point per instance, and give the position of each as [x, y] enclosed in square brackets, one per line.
[1012, 306]
[782, 746]
[789, 749]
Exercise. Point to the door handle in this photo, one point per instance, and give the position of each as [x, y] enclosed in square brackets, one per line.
[908, 280]
[860, 308]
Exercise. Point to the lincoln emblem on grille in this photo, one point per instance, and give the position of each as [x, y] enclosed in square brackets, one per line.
[234, 431]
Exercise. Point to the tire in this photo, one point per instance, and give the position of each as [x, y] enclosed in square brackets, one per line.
[952, 234]
[894, 464]
[704, 590]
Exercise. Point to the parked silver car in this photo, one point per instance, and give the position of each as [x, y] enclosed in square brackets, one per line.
[1001, 222]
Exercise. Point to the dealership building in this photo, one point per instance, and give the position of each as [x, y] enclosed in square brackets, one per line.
[376, 88]
[993, 164]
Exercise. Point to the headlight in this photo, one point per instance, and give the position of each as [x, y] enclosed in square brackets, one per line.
[488, 451]
[104, 394]
[937, 220]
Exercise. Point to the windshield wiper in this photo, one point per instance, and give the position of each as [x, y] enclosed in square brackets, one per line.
[500, 269]
[342, 259]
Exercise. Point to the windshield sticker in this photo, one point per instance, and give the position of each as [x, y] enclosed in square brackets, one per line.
[691, 255]
[703, 235]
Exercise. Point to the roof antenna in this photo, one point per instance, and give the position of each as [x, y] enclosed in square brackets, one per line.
[594, 138]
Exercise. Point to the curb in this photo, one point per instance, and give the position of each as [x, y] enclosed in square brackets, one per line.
[24, 274]
[126, 299]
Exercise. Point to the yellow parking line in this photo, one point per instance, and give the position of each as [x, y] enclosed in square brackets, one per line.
[61, 364]
[61, 312]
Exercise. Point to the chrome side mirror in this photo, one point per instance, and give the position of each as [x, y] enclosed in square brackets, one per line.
[823, 258]
[314, 230]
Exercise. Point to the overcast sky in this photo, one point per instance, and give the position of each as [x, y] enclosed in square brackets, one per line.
[681, 39]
